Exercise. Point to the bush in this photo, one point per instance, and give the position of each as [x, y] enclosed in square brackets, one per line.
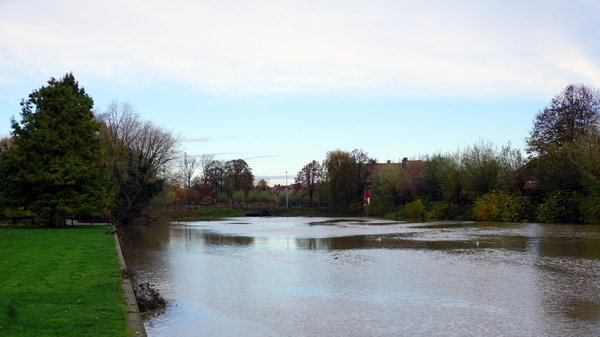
[458, 212]
[265, 196]
[222, 198]
[500, 206]
[437, 210]
[238, 196]
[560, 206]
[415, 209]
[590, 206]
[380, 207]
[253, 196]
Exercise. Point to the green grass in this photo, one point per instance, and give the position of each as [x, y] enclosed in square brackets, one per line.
[60, 282]
[314, 211]
[201, 214]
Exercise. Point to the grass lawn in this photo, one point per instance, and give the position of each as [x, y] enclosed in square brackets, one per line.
[60, 282]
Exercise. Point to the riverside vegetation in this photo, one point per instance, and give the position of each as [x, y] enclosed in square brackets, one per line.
[112, 163]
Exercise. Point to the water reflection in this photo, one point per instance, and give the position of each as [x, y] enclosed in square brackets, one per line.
[366, 277]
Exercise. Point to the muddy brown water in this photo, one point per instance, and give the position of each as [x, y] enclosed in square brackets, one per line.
[368, 277]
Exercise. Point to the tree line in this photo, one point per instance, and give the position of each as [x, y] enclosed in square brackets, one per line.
[64, 158]
[556, 179]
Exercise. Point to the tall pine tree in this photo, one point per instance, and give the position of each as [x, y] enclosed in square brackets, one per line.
[55, 166]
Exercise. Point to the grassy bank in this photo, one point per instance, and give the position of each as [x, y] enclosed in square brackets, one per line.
[218, 213]
[315, 211]
[199, 214]
[60, 282]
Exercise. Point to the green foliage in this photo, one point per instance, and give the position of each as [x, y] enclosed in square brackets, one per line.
[238, 196]
[513, 173]
[253, 196]
[590, 206]
[239, 176]
[586, 153]
[262, 196]
[415, 209]
[265, 196]
[135, 190]
[200, 214]
[310, 177]
[380, 207]
[346, 175]
[560, 206]
[56, 168]
[500, 206]
[460, 212]
[557, 168]
[443, 177]
[481, 168]
[10, 212]
[437, 210]
[222, 198]
[390, 181]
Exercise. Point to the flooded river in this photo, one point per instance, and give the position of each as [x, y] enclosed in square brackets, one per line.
[367, 277]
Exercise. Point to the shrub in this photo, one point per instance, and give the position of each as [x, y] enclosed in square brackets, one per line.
[222, 198]
[500, 206]
[415, 209]
[380, 207]
[460, 212]
[238, 196]
[560, 206]
[253, 196]
[437, 210]
[265, 196]
[590, 206]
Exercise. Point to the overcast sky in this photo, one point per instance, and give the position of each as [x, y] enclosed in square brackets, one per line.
[280, 83]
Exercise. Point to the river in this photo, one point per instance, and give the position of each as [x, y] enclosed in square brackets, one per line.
[297, 277]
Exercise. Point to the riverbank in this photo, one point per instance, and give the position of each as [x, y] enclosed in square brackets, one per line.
[61, 282]
[193, 213]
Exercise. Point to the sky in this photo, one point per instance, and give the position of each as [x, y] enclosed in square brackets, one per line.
[281, 83]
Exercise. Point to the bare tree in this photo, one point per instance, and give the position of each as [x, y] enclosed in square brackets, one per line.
[187, 170]
[205, 162]
[138, 154]
[309, 177]
[262, 185]
[125, 127]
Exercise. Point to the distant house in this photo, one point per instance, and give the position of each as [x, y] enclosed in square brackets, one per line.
[277, 189]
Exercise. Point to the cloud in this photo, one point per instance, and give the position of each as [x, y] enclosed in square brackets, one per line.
[262, 157]
[388, 48]
[198, 140]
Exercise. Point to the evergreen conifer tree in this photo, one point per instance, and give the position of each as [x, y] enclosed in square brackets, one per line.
[55, 166]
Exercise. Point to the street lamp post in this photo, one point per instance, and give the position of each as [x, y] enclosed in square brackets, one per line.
[287, 187]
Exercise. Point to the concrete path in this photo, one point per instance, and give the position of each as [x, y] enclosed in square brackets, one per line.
[134, 318]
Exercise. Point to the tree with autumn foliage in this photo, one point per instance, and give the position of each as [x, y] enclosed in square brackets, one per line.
[571, 115]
